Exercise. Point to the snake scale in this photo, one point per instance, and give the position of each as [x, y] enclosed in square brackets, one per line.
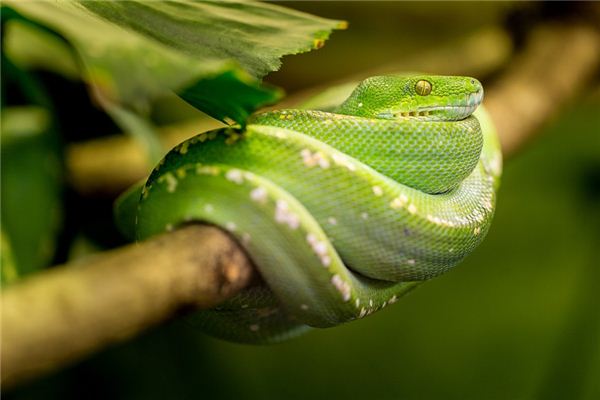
[342, 209]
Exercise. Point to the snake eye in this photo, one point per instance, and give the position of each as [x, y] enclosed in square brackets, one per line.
[423, 88]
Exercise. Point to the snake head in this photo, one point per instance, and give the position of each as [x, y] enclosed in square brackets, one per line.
[423, 97]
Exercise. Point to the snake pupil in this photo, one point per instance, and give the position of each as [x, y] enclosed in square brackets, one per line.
[423, 88]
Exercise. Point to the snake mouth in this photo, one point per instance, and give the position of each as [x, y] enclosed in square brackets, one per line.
[452, 112]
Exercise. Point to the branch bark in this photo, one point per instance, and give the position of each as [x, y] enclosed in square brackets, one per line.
[65, 313]
[560, 60]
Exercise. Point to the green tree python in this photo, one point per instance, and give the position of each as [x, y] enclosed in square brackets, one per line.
[343, 209]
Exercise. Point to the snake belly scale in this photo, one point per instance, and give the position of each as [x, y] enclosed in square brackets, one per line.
[342, 210]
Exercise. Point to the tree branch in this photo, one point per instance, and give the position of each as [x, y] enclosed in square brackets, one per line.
[559, 62]
[68, 312]
[65, 313]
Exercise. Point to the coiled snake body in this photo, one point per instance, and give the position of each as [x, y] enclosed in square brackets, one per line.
[342, 211]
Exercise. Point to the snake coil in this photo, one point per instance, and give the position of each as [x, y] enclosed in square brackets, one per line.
[342, 210]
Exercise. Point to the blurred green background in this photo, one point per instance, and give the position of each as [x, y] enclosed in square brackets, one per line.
[519, 319]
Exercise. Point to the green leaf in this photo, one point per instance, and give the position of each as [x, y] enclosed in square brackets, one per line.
[231, 96]
[30, 47]
[9, 271]
[255, 34]
[31, 190]
[132, 52]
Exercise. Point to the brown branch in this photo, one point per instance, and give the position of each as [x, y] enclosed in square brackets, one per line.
[109, 165]
[68, 312]
[559, 62]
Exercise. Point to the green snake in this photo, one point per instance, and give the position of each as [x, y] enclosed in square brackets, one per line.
[342, 209]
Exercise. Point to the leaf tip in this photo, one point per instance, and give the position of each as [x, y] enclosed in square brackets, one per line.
[318, 43]
[342, 25]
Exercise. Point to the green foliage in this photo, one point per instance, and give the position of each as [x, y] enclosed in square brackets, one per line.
[129, 54]
[31, 176]
[31, 190]
[132, 52]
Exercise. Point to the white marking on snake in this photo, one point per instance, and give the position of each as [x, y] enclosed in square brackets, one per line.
[230, 226]
[410, 261]
[235, 175]
[393, 299]
[496, 164]
[180, 172]
[364, 215]
[310, 160]
[170, 180]
[377, 191]
[340, 160]
[341, 286]
[322, 161]
[207, 170]
[145, 191]
[259, 194]
[283, 215]
[307, 158]
[332, 220]
[183, 148]
[320, 249]
[209, 208]
[412, 208]
[397, 203]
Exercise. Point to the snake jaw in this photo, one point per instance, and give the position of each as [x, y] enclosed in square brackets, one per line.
[453, 112]
[459, 109]
[433, 113]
